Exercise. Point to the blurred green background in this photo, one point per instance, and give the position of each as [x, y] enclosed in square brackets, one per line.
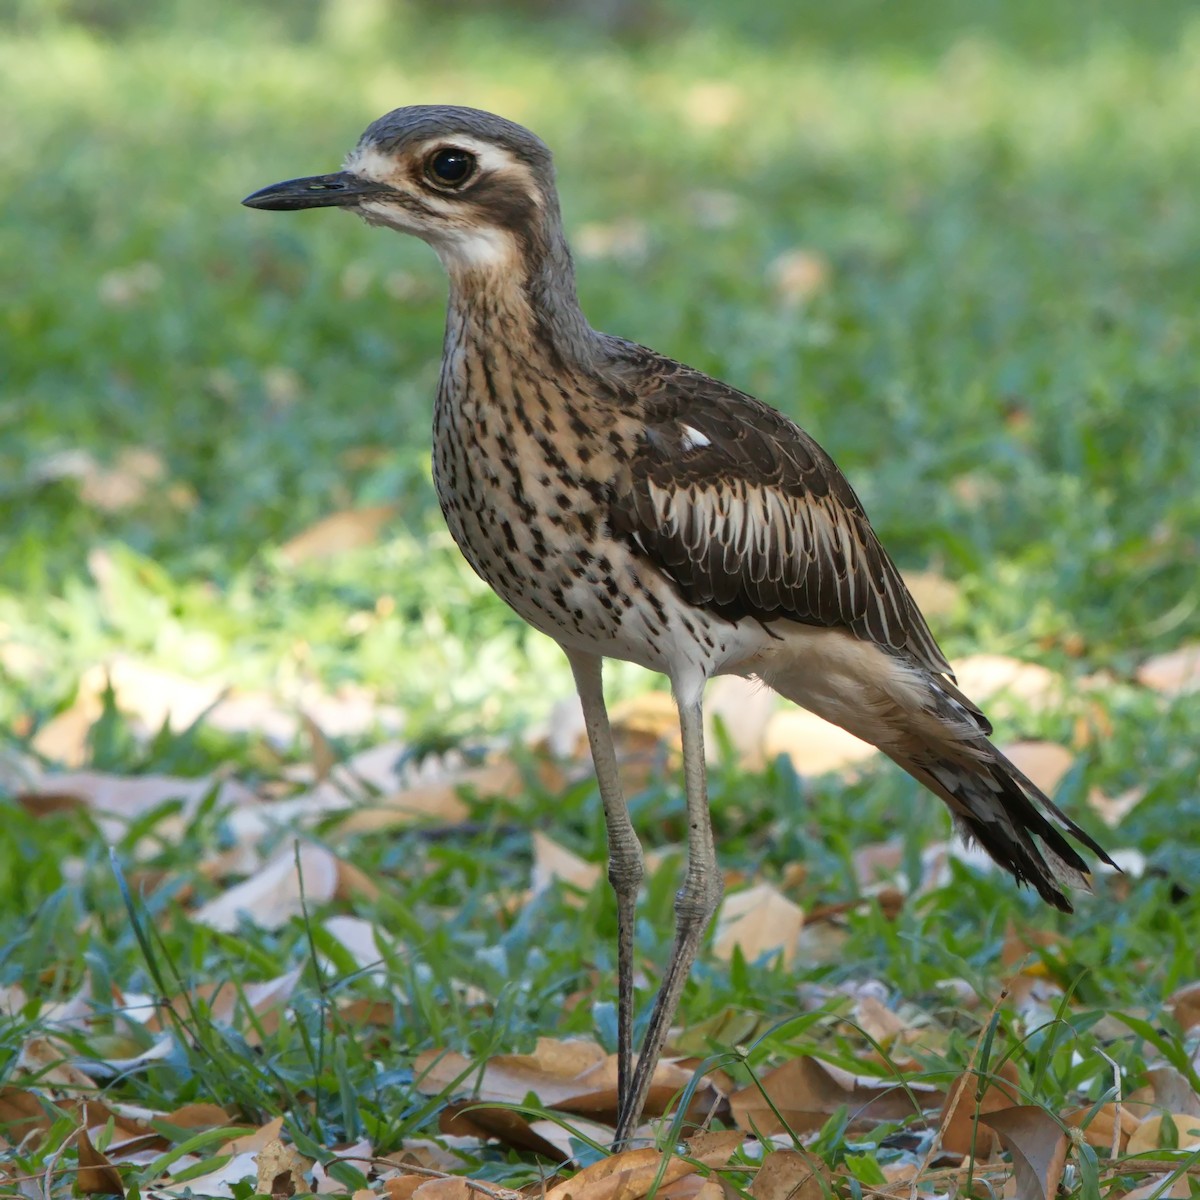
[958, 241]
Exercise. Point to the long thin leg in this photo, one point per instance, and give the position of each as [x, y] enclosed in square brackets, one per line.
[695, 904]
[625, 867]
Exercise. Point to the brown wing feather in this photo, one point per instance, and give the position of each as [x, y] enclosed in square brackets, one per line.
[751, 518]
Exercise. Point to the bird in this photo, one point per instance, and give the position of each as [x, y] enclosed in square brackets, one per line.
[631, 507]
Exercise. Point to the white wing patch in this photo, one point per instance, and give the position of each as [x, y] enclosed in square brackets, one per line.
[693, 439]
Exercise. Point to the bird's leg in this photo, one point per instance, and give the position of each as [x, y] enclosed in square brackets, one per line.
[624, 856]
[695, 904]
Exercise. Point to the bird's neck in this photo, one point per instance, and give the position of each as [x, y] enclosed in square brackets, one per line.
[522, 290]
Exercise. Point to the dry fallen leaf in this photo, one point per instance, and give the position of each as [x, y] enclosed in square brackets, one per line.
[758, 921]
[96, 1174]
[1006, 685]
[437, 799]
[47, 1063]
[815, 746]
[790, 1175]
[281, 1170]
[1175, 673]
[1148, 1135]
[21, 1113]
[512, 1129]
[1154, 1189]
[936, 596]
[571, 1076]
[998, 1092]
[806, 1090]
[1046, 763]
[878, 1021]
[337, 533]
[277, 892]
[401, 1187]
[115, 800]
[225, 1002]
[1038, 1145]
[1102, 1126]
[552, 861]
[453, 1188]
[1114, 810]
[743, 707]
[630, 1174]
[1172, 1091]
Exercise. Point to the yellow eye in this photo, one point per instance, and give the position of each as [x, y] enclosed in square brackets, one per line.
[450, 167]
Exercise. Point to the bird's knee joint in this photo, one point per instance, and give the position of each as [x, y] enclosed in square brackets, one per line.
[699, 899]
[625, 875]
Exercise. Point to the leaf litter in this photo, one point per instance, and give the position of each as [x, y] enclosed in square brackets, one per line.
[976, 1117]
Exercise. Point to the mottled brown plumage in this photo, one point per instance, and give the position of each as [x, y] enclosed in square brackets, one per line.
[631, 507]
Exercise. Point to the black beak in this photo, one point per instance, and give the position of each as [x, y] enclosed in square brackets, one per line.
[340, 190]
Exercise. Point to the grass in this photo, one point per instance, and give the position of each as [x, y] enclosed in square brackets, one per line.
[1003, 359]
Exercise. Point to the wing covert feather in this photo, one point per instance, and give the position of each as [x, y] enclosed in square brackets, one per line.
[751, 518]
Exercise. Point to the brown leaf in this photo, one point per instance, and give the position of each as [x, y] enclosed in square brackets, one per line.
[1114, 810]
[96, 1174]
[744, 707]
[806, 1090]
[1180, 1189]
[513, 1129]
[1185, 1006]
[435, 800]
[625, 1176]
[401, 1187]
[1172, 1091]
[759, 920]
[715, 1147]
[452, 1188]
[936, 596]
[1005, 685]
[1175, 673]
[262, 999]
[281, 1170]
[1044, 762]
[998, 1092]
[1100, 1129]
[878, 1021]
[570, 1076]
[115, 800]
[815, 746]
[324, 757]
[1038, 1145]
[276, 893]
[1148, 1135]
[790, 1175]
[21, 1113]
[552, 861]
[341, 531]
[47, 1062]
[197, 1117]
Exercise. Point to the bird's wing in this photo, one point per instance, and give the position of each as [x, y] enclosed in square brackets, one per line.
[751, 518]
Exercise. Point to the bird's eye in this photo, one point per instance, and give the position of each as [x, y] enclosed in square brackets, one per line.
[450, 167]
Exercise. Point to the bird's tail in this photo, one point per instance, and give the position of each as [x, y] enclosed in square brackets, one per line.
[939, 737]
[998, 806]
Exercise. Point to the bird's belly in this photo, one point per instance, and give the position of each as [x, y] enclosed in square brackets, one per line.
[559, 569]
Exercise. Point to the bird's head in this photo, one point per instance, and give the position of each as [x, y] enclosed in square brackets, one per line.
[479, 189]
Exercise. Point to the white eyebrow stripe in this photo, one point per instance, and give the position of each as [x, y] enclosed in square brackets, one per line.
[693, 439]
[489, 156]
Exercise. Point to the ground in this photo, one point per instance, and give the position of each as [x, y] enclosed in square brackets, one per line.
[959, 244]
